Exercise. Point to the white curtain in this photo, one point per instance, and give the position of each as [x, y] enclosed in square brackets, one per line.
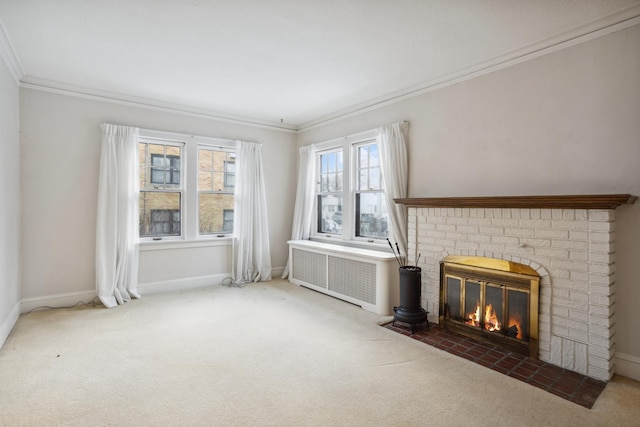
[303, 210]
[251, 254]
[394, 169]
[117, 221]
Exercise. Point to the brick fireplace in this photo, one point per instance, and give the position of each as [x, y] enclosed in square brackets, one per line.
[569, 241]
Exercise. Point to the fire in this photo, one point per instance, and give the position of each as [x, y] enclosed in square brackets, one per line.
[474, 318]
[491, 322]
[516, 321]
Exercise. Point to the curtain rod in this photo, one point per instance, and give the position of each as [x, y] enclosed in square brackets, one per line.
[183, 135]
[369, 130]
[354, 135]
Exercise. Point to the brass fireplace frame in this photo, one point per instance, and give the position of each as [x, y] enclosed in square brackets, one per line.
[495, 272]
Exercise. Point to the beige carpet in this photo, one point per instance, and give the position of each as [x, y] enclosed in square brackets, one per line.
[268, 354]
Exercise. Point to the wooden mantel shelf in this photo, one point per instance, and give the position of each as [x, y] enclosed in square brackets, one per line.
[595, 201]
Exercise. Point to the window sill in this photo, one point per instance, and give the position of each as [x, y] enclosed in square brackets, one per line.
[340, 250]
[373, 246]
[159, 245]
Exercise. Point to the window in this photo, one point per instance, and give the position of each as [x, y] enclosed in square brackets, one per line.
[161, 193]
[216, 182]
[329, 202]
[350, 201]
[370, 204]
[187, 186]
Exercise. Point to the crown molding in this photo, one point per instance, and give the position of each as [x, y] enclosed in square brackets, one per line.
[36, 83]
[606, 25]
[8, 54]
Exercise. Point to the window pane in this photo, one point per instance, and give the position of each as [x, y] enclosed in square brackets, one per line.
[159, 214]
[142, 167]
[332, 162]
[216, 170]
[205, 180]
[205, 159]
[215, 211]
[373, 155]
[330, 214]
[363, 180]
[229, 175]
[371, 215]
[216, 174]
[157, 152]
[332, 182]
[363, 156]
[374, 179]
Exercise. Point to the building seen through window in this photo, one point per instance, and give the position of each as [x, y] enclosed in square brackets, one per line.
[161, 191]
[187, 186]
[216, 185]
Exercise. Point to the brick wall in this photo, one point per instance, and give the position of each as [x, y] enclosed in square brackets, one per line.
[571, 249]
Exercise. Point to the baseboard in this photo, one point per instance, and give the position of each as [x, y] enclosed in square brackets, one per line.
[180, 284]
[277, 272]
[57, 301]
[70, 299]
[627, 365]
[9, 323]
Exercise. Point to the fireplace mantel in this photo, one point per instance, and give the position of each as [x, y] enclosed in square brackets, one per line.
[593, 201]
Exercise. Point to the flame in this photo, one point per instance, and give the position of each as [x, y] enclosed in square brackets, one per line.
[474, 318]
[491, 322]
[516, 321]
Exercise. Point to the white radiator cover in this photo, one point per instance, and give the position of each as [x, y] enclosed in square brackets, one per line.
[363, 277]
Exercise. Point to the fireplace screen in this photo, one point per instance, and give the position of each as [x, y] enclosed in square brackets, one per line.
[491, 299]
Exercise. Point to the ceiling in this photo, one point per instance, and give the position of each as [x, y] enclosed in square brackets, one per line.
[285, 63]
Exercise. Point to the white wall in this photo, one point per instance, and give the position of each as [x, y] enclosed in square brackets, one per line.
[60, 137]
[9, 203]
[564, 123]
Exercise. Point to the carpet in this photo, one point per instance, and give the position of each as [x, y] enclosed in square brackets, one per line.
[267, 354]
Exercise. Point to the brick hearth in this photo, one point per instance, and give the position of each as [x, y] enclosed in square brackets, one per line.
[569, 385]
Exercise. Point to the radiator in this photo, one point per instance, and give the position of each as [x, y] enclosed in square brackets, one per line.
[363, 277]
